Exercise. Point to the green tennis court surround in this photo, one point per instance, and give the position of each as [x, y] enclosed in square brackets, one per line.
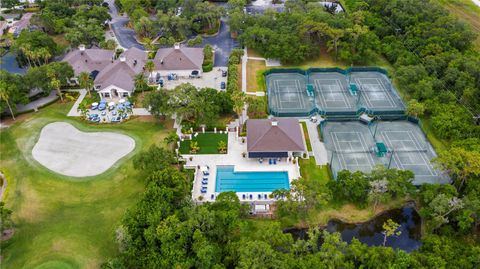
[331, 91]
[397, 144]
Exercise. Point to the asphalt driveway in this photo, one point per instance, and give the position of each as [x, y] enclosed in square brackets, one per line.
[222, 43]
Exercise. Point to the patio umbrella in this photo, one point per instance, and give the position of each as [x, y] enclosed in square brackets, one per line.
[95, 104]
[111, 104]
[121, 101]
[103, 101]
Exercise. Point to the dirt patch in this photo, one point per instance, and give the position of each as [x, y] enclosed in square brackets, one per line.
[254, 69]
[7, 234]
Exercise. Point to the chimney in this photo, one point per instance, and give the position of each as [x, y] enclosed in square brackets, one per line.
[81, 47]
[134, 62]
[122, 58]
[177, 46]
[274, 122]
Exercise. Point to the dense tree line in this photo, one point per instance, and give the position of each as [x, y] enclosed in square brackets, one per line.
[434, 59]
[194, 106]
[175, 20]
[165, 230]
[297, 34]
[82, 22]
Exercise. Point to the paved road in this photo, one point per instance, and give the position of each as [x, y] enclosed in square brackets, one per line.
[124, 35]
[222, 43]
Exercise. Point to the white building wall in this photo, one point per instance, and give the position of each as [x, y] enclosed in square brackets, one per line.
[180, 73]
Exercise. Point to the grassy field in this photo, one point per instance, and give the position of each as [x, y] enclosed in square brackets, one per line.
[63, 222]
[255, 81]
[208, 143]
[466, 11]
[305, 134]
[310, 170]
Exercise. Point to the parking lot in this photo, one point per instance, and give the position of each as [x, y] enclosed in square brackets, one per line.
[212, 79]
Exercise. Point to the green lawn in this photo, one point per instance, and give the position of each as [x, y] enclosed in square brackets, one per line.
[305, 134]
[208, 143]
[310, 170]
[63, 222]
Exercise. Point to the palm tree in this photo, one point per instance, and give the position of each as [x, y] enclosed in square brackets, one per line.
[194, 148]
[83, 109]
[239, 98]
[140, 82]
[85, 82]
[150, 66]
[25, 48]
[171, 138]
[45, 54]
[55, 83]
[222, 146]
[148, 43]
[5, 89]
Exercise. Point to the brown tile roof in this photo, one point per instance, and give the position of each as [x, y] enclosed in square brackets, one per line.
[89, 60]
[264, 136]
[178, 59]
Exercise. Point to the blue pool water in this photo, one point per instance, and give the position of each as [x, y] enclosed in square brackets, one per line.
[228, 180]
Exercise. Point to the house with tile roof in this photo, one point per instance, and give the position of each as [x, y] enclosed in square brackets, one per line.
[178, 60]
[113, 78]
[274, 138]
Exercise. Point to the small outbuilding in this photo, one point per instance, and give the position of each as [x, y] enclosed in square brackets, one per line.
[274, 138]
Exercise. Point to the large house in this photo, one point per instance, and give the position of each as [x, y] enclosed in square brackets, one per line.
[181, 61]
[112, 77]
[118, 78]
[274, 138]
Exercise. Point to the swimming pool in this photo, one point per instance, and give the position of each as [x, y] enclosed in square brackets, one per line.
[228, 180]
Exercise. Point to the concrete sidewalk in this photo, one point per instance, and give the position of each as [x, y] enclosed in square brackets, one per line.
[74, 110]
[318, 147]
[40, 102]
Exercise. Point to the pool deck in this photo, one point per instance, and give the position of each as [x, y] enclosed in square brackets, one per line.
[234, 157]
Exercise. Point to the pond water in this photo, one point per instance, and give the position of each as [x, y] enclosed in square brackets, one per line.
[9, 63]
[370, 232]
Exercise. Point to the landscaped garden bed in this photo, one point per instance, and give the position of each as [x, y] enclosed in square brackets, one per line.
[206, 143]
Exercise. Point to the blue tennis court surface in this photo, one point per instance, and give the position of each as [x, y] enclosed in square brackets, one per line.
[228, 180]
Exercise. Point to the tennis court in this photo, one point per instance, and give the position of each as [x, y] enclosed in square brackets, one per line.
[332, 93]
[376, 92]
[352, 146]
[287, 94]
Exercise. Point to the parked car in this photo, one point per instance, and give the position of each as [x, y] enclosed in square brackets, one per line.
[224, 73]
[223, 85]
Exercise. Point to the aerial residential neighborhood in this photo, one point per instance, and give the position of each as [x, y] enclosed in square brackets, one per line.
[239, 134]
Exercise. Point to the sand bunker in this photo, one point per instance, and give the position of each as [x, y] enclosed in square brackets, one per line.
[66, 150]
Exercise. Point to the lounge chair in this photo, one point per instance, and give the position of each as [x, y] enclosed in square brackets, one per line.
[203, 191]
[206, 173]
[269, 161]
[204, 182]
[212, 196]
[251, 197]
[274, 161]
[259, 197]
[205, 178]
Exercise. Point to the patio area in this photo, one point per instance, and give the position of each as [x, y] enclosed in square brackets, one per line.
[107, 112]
[237, 147]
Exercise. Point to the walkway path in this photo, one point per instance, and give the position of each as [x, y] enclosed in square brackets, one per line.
[40, 102]
[318, 147]
[476, 2]
[244, 70]
[74, 110]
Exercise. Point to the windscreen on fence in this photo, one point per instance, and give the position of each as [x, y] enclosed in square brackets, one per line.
[331, 91]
